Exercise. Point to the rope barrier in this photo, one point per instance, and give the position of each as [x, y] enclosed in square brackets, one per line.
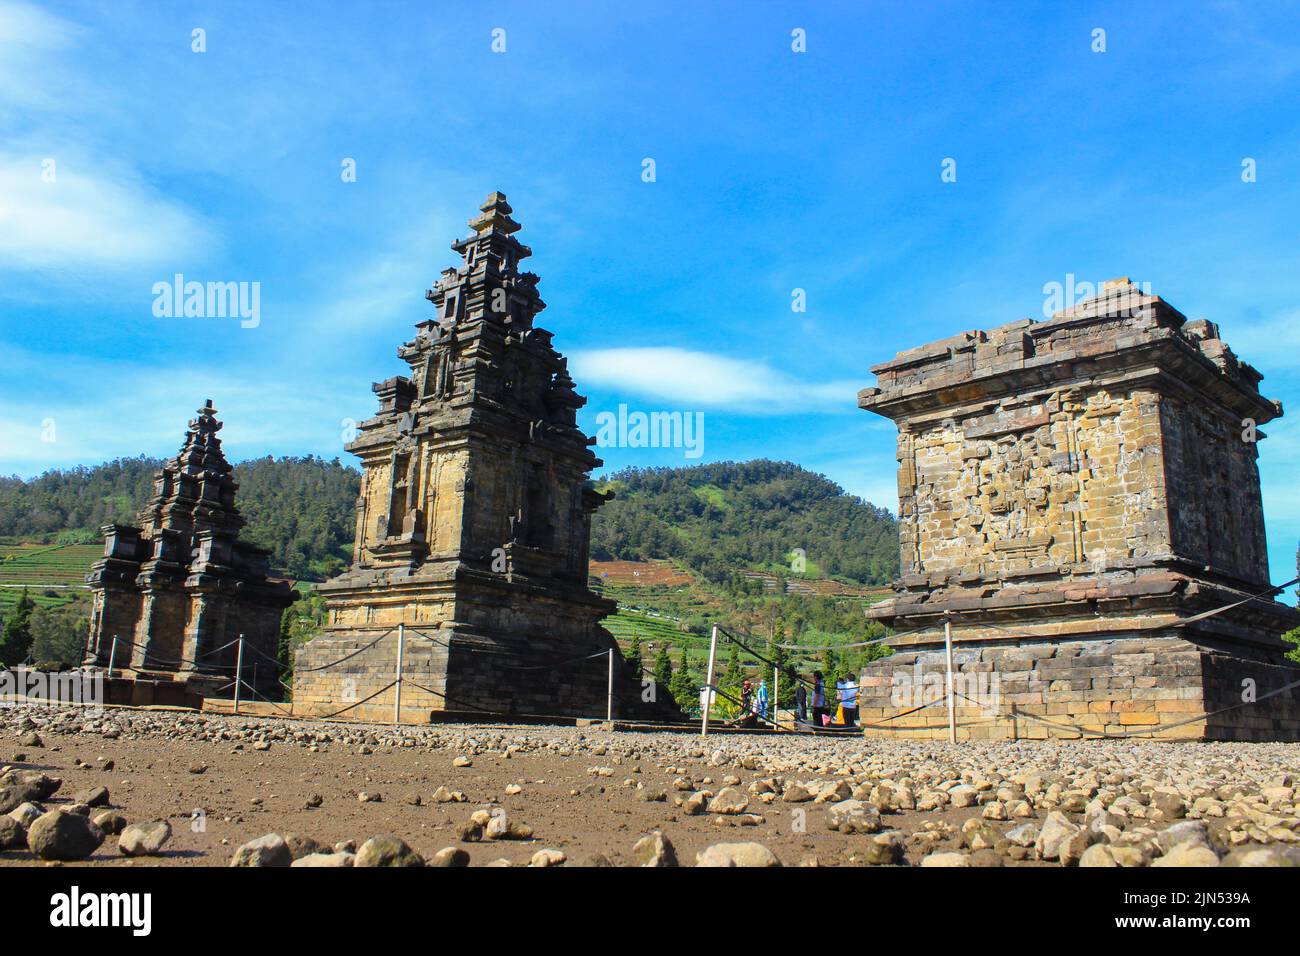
[344, 710]
[360, 650]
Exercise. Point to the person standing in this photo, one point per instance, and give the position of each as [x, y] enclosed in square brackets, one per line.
[850, 701]
[760, 700]
[801, 702]
[818, 699]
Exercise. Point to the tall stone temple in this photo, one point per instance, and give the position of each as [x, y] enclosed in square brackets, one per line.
[172, 595]
[1077, 497]
[473, 521]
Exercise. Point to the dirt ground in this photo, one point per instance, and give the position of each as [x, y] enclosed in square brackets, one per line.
[244, 793]
[222, 780]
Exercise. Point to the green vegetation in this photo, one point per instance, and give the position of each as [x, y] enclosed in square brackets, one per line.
[300, 509]
[713, 522]
[721, 518]
[16, 634]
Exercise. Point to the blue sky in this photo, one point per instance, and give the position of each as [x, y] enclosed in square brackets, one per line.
[775, 170]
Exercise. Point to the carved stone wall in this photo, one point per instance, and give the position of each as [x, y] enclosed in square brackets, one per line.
[1092, 477]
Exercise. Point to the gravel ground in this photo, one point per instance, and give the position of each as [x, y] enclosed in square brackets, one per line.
[591, 795]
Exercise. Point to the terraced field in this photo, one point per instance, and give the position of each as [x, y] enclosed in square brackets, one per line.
[53, 574]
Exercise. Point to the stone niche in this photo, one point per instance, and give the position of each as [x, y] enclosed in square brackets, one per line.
[1073, 495]
[473, 522]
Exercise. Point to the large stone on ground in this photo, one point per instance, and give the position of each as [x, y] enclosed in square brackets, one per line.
[853, 816]
[387, 851]
[1188, 854]
[737, 855]
[884, 849]
[59, 835]
[268, 850]
[144, 839]
[654, 850]
[12, 836]
[1263, 856]
[42, 785]
[729, 800]
[450, 856]
[324, 860]
[1057, 829]
[300, 846]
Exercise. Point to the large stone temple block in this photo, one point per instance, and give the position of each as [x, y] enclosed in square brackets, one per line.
[473, 523]
[1074, 496]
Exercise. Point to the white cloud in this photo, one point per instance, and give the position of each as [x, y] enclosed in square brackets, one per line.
[66, 204]
[702, 379]
[264, 413]
[91, 217]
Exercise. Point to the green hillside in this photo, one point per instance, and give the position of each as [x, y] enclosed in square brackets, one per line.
[763, 515]
[300, 509]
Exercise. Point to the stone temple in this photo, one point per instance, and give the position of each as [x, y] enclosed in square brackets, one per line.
[179, 589]
[1074, 496]
[473, 521]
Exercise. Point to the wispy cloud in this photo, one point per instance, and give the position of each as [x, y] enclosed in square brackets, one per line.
[60, 425]
[703, 379]
[92, 215]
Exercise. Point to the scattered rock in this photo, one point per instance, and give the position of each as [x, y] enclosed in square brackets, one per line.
[144, 839]
[450, 856]
[58, 835]
[325, 860]
[737, 855]
[654, 850]
[268, 850]
[12, 836]
[884, 849]
[300, 846]
[1188, 854]
[387, 851]
[853, 816]
[94, 797]
[729, 800]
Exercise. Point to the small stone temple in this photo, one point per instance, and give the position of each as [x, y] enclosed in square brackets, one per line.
[473, 522]
[1075, 495]
[177, 590]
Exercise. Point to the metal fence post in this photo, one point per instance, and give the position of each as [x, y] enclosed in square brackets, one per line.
[708, 682]
[239, 669]
[397, 698]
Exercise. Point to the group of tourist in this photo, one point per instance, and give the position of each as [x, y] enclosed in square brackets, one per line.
[819, 714]
[810, 702]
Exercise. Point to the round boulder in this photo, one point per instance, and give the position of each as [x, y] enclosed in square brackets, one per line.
[58, 835]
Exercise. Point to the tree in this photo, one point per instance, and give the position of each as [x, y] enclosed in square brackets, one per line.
[732, 675]
[16, 638]
[299, 623]
[59, 634]
[632, 654]
[663, 669]
[684, 687]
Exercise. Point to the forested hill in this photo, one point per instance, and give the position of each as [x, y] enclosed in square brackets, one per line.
[300, 509]
[717, 519]
[731, 515]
